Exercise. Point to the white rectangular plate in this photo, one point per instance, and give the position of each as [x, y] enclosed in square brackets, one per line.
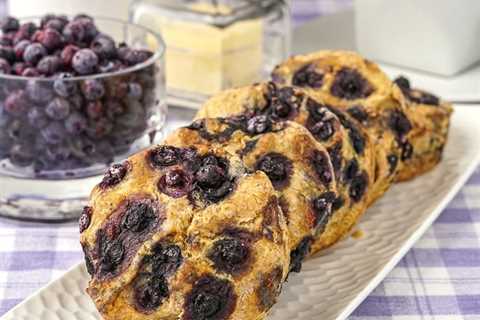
[332, 284]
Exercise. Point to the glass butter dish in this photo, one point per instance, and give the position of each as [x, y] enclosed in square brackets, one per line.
[215, 45]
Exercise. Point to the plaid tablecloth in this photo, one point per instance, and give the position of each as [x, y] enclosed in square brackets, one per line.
[439, 279]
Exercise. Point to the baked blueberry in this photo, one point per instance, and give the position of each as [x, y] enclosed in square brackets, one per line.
[138, 216]
[165, 259]
[230, 255]
[277, 167]
[163, 156]
[299, 253]
[175, 183]
[151, 292]
[321, 165]
[85, 219]
[307, 76]
[358, 186]
[114, 175]
[349, 84]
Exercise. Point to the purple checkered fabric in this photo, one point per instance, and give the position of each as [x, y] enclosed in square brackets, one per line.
[439, 279]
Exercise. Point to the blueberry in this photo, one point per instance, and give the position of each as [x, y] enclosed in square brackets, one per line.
[349, 84]
[17, 131]
[176, 183]
[75, 33]
[20, 47]
[322, 130]
[56, 24]
[358, 186]
[357, 139]
[6, 39]
[114, 175]
[93, 89]
[76, 123]
[258, 124]
[134, 57]
[54, 133]
[114, 108]
[166, 259]
[95, 110]
[402, 82]
[18, 68]
[30, 73]
[351, 170]
[37, 118]
[91, 30]
[113, 255]
[399, 123]
[392, 161]
[307, 77]
[150, 294]
[7, 53]
[34, 53]
[211, 298]
[138, 216]
[135, 90]
[83, 148]
[321, 165]
[85, 219]
[358, 113]
[299, 254]
[16, 103]
[67, 54]
[51, 39]
[49, 65]
[407, 151]
[21, 155]
[85, 61]
[163, 156]
[5, 67]
[322, 207]
[99, 128]
[57, 153]
[8, 24]
[38, 91]
[277, 167]
[82, 16]
[210, 176]
[104, 46]
[230, 255]
[63, 86]
[106, 66]
[58, 109]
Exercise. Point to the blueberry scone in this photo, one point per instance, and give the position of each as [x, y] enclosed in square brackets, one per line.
[183, 232]
[430, 123]
[359, 87]
[348, 145]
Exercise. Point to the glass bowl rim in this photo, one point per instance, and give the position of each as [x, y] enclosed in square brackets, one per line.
[159, 53]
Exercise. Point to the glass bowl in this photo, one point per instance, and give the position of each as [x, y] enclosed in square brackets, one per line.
[58, 135]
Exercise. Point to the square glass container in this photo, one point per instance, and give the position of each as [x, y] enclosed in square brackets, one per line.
[214, 45]
[50, 160]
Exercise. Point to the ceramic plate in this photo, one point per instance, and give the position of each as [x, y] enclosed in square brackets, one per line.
[332, 284]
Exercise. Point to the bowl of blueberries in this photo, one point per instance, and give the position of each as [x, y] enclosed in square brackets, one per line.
[76, 95]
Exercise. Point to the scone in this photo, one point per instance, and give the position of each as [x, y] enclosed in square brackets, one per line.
[430, 122]
[358, 86]
[177, 232]
[349, 146]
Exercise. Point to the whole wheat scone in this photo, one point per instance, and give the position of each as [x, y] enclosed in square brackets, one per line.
[349, 146]
[177, 232]
[358, 86]
[430, 123]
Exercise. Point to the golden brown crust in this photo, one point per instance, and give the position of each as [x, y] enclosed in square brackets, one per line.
[250, 213]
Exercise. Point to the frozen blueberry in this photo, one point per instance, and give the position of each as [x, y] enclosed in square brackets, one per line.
[349, 84]
[39, 92]
[75, 123]
[138, 216]
[5, 67]
[63, 86]
[34, 53]
[83, 148]
[30, 73]
[85, 61]
[89, 26]
[57, 153]
[106, 66]
[308, 77]
[67, 54]
[37, 118]
[134, 57]
[49, 65]
[277, 167]
[211, 298]
[230, 255]
[18, 68]
[163, 156]
[358, 186]
[150, 294]
[82, 16]
[20, 47]
[321, 165]
[93, 89]
[51, 39]
[114, 175]
[25, 31]
[56, 24]
[54, 133]
[135, 90]
[75, 33]
[21, 155]
[16, 103]
[8, 24]
[99, 128]
[7, 53]
[95, 110]
[58, 109]
[104, 46]
[299, 253]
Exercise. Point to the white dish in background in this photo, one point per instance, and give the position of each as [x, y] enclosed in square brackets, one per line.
[337, 32]
[333, 284]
